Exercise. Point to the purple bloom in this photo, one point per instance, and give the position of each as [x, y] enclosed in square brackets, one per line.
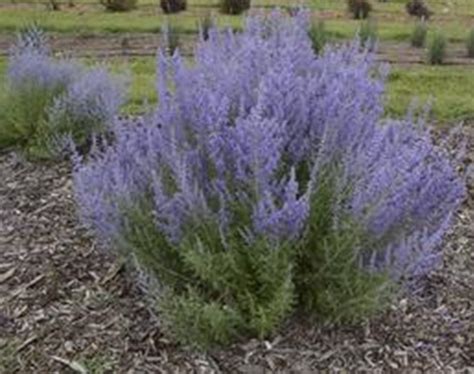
[253, 123]
[61, 99]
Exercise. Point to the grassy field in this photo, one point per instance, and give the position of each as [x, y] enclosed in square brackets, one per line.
[447, 88]
[88, 17]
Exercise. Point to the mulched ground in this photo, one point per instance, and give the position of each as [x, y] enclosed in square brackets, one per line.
[67, 307]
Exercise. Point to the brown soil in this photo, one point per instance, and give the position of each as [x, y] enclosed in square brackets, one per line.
[146, 44]
[67, 306]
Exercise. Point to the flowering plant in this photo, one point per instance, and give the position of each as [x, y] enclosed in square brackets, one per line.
[49, 101]
[266, 180]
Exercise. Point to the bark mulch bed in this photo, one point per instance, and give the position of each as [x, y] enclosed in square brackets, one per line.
[67, 307]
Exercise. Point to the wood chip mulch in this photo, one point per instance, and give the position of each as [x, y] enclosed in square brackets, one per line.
[67, 307]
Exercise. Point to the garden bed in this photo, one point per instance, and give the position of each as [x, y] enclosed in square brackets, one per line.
[65, 305]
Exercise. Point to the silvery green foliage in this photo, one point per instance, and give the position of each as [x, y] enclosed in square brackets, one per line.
[88, 105]
[31, 37]
[243, 139]
[34, 67]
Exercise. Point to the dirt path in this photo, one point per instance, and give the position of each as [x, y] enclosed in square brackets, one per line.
[65, 304]
[146, 44]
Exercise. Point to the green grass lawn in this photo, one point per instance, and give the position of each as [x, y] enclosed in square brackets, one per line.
[90, 17]
[449, 89]
[98, 21]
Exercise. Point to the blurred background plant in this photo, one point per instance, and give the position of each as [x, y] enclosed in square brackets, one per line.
[368, 34]
[360, 9]
[171, 38]
[119, 5]
[47, 102]
[470, 43]
[318, 36]
[418, 36]
[173, 6]
[234, 6]
[437, 48]
[418, 8]
[206, 23]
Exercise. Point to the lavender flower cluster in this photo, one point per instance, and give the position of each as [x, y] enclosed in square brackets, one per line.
[65, 99]
[255, 122]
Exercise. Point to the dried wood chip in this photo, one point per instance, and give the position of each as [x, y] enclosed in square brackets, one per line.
[112, 273]
[73, 365]
[7, 275]
[4, 320]
[26, 343]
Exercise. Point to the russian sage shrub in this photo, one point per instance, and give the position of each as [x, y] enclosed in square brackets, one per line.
[267, 181]
[47, 102]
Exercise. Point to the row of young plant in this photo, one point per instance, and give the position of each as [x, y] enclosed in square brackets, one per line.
[265, 182]
[436, 47]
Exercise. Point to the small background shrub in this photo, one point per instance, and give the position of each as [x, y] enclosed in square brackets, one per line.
[292, 10]
[418, 36]
[368, 34]
[234, 6]
[470, 44]
[173, 6]
[437, 48]
[171, 38]
[31, 37]
[47, 102]
[419, 9]
[205, 25]
[119, 5]
[360, 9]
[54, 5]
[318, 36]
